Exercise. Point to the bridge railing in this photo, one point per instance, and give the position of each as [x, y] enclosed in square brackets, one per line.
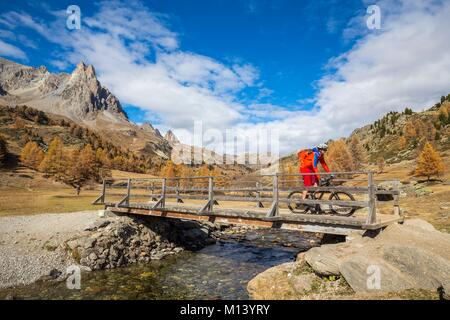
[264, 190]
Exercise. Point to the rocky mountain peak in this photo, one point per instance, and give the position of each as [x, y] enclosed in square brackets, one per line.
[85, 70]
[81, 97]
[171, 138]
[147, 127]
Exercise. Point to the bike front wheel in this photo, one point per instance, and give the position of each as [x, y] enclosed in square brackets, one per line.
[342, 210]
[294, 204]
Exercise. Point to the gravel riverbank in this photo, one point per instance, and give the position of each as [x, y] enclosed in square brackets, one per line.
[43, 246]
[29, 245]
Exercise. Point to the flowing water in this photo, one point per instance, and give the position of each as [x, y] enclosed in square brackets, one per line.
[219, 271]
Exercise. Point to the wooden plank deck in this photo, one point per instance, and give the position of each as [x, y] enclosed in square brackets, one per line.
[228, 213]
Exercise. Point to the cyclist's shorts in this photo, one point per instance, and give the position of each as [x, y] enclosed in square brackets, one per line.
[309, 180]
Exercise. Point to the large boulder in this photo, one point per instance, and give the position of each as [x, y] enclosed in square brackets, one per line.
[409, 256]
[273, 283]
[369, 275]
[324, 260]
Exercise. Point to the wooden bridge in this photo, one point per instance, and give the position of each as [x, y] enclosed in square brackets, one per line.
[260, 200]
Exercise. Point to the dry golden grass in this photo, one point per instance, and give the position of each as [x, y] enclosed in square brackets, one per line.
[24, 202]
[24, 191]
[433, 207]
[117, 174]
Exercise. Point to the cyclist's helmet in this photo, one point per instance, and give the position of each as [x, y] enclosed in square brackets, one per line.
[322, 146]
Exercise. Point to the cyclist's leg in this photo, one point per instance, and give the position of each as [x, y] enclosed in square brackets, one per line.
[307, 180]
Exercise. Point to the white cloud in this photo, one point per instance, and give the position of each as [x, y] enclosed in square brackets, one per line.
[140, 60]
[404, 64]
[9, 50]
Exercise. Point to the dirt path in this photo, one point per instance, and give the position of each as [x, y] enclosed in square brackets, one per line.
[29, 245]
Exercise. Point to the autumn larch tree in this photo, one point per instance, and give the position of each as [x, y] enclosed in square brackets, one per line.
[339, 156]
[169, 171]
[81, 166]
[357, 151]
[429, 163]
[409, 131]
[53, 162]
[184, 172]
[102, 157]
[31, 155]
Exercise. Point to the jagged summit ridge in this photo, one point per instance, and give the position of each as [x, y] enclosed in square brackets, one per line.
[171, 138]
[79, 95]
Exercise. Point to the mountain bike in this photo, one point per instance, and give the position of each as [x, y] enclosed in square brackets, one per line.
[342, 210]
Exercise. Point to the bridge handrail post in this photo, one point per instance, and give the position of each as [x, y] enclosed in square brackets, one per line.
[128, 192]
[397, 210]
[177, 191]
[274, 209]
[152, 189]
[163, 192]
[258, 195]
[103, 191]
[372, 216]
[211, 192]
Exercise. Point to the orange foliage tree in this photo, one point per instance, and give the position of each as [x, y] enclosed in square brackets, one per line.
[339, 156]
[357, 151]
[53, 162]
[31, 155]
[81, 166]
[429, 163]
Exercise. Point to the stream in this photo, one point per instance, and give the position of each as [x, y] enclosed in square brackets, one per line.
[219, 271]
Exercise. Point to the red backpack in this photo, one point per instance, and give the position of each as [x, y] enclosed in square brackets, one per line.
[306, 158]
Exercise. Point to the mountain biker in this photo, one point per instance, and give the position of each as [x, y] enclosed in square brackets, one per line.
[308, 161]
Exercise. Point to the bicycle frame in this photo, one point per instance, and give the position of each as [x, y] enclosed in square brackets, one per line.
[316, 209]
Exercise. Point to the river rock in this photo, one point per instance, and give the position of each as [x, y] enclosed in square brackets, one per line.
[124, 240]
[323, 260]
[303, 283]
[419, 223]
[413, 255]
[428, 270]
[273, 283]
[362, 275]
[97, 225]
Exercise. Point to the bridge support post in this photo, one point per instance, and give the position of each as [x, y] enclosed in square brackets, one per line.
[274, 209]
[161, 203]
[128, 192]
[372, 216]
[101, 199]
[163, 192]
[259, 204]
[397, 210]
[152, 194]
[126, 199]
[209, 205]
[177, 192]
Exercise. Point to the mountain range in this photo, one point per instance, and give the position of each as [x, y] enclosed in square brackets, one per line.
[80, 97]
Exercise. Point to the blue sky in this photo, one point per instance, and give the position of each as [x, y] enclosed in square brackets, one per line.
[311, 69]
[288, 41]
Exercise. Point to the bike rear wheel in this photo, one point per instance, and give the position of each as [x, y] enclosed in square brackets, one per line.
[342, 210]
[295, 206]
